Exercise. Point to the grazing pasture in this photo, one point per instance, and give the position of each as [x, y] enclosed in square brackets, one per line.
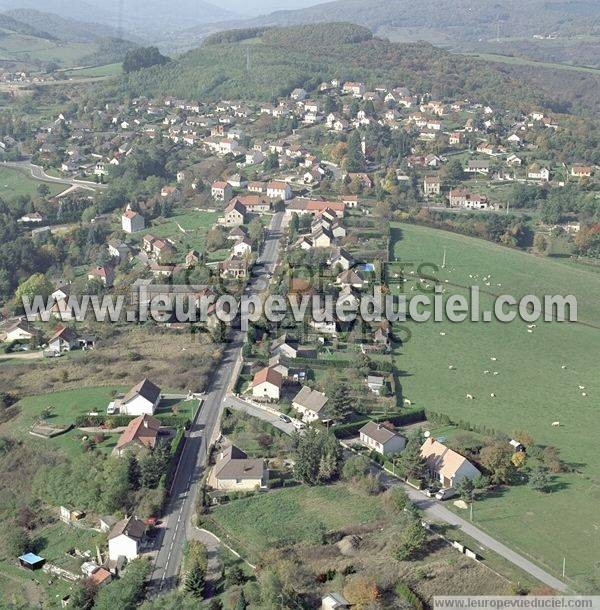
[538, 375]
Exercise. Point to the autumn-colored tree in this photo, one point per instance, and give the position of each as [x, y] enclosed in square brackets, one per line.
[361, 591]
[518, 459]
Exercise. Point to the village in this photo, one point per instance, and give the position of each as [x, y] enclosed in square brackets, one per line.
[283, 198]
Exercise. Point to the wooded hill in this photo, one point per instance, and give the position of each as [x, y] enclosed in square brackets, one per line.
[265, 63]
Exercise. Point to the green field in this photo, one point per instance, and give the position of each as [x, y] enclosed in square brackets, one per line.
[24, 48]
[195, 225]
[293, 515]
[67, 405]
[521, 61]
[107, 70]
[14, 184]
[532, 389]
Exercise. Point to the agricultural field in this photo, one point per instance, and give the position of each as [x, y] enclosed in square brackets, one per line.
[107, 70]
[20, 47]
[14, 184]
[526, 374]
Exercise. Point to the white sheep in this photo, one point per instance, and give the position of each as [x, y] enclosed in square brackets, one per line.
[584, 394]
[582, 387]
[470, 397]
[451, 367]
[529, 330]
[442, 334]
[493, 358]
[486, 372]
[492, 395]
[496, 373]
[564, 367]
[407, 402]
[556, 424]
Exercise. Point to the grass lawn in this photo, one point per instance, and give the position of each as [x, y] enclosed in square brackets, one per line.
[69, 404]
[532, 389]
[294, 514]
[14, 184]
[195, 225]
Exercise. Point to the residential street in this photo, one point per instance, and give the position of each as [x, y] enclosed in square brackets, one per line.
[177, 526]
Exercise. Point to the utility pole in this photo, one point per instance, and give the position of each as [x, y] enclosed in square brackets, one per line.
[471, 510]
[444, 262]
[507, 207]
[564, 566]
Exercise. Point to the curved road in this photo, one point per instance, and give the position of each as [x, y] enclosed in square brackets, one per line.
[37, 173]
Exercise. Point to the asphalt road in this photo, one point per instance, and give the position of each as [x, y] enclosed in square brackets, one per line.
[38, 173]
[239, 404]
[176, 523]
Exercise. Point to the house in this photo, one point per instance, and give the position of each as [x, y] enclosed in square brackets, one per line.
[125, 538]
[310, 404]
[513, 160]
[63, 340]
[448, 466]
[142, 399]
[340, 258]
[234, 471]
[235, 214]
[334, 601]
[257, 187]
[221, 191]
[141, 434]
[376, 383]
[192, 258]
[32, 217]
[105, 275]
[350, 201]
[478, 166]
[299, 95]
[535, 172]
[382, 438]
[237, 181]
[355, 89]
[132, 222]
[350, 278]
[315, 207]
[21, 330]
[461, 198]
[267, 384]
[432, 185]
[581, 171]
[282, 346]
[233, 268]
[242, 248]
[170, 192]
[118, 249]
[279, 190]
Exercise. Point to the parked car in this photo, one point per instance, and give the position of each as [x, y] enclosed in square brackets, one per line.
[444, 494]
[285, 418]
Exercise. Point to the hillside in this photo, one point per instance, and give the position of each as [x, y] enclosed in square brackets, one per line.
[453, 19]
[65, 43]
[142, 17]
[284, 58]
[62, 28]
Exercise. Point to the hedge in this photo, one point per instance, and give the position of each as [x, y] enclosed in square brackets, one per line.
[405, 592]
[408, 416]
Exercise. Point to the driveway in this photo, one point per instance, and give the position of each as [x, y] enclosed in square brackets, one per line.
[436, 511]
[239, 404]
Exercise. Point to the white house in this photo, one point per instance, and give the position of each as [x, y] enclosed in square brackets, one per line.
[535, 172]
[279, 190]
[142, 399]
[446, 465]
[221, 191]
[20, 330]
[63, 340]
[125, 538]
[334, 601]
[381, 438]
[242, 248]
[132, 222]
[310, 404]
[267, 384]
